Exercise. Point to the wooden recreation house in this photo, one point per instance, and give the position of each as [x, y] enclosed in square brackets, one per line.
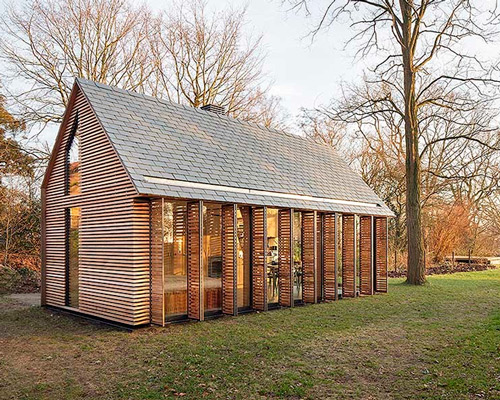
[155, 212]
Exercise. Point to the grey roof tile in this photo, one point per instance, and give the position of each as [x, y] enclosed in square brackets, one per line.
[162, 139]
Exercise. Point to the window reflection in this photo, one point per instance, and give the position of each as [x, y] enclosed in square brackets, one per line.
[319, 258]
[175, 259]
[73, 260]
[243, 257]
[272, 256]
[74, 174]
[297, 256]
[212, 257]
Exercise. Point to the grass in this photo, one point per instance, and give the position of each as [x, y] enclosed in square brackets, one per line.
[440, 341]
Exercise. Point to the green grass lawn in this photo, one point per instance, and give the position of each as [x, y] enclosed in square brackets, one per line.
[433, 342]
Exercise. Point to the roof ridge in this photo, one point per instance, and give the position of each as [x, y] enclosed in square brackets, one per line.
[202, 112]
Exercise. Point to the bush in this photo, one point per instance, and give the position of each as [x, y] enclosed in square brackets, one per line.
[18, 280]
[448, 268]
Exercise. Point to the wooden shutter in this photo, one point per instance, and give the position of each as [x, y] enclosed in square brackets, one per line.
[380, 254]
[366, 255]
[157, 257]
[259, 240]
[330, 257]
[309, 247]
[348, 256]
[285, 257]
[319, 257]
[229, 286]
[194, 260]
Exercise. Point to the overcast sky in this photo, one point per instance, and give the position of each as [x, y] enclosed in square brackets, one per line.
[305, 72]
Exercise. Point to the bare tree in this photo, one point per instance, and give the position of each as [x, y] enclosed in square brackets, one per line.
[45, 44]
[455, 172]
[186, 55]
[204, 58]
[420, 57]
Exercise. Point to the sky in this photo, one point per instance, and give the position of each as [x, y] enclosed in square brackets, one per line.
[306, 72]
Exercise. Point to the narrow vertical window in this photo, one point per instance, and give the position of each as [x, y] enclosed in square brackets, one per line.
[212, 258]
[74, 176]
[244, 277]
[319, 257]
[175, 259]
[297, 256]
[73, 217]
[272, 256]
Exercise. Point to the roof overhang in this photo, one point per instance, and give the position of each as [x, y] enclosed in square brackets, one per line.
[376, 207]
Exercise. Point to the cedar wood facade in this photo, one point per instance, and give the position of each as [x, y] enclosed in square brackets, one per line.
[154, 212]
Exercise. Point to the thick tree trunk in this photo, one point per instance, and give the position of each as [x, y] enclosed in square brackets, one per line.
[416, 264]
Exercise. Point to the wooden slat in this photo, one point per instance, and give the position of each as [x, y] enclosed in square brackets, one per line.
[194, 261]
[157, 264]
[229, 277]
[114, 238]
[348, 256]
[366, 255]
[285, 257]
[381, 254]
[309, 258]
[259, 240]
[330, 257]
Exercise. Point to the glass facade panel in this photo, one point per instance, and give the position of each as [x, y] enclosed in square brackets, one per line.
[272, 256]
[175, 259]
[212, 258]
[74, 174]
[297, 255]
[244, 280]
[73, 257]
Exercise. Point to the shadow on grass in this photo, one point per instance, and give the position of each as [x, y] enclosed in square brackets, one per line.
[43, 322]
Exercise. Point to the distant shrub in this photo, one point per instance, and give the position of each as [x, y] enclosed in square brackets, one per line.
[18, 280]
[449, 268]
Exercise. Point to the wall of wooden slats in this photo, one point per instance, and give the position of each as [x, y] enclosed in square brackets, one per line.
[329, 257]
[194, 260]
[259, 271]
[309, 257]
[366, 255]
[348, 256]
[285, 257]
[229, 283]
[157, 263]
[380, 254]
[114, 272]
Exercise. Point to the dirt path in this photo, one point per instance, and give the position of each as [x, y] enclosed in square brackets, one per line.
[19, 301]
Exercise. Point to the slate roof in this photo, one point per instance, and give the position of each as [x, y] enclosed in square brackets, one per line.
[159, 139]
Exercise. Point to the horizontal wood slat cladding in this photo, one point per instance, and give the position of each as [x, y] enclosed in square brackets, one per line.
[114, 272]
[157, 265]
[194, 260]
[329, 257]
[285, 257]
[348, 256]
[309, 258]
[381, 254]
[229, 284]
[259, 239]
[366, 255]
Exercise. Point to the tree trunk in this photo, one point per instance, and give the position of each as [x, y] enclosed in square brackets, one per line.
[416, 265]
